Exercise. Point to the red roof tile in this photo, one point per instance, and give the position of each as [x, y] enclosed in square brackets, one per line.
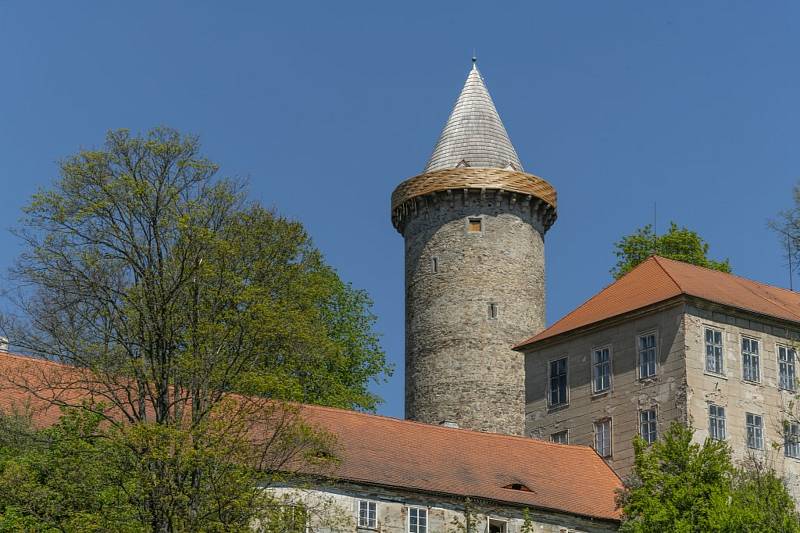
[658, 279]
[396, 453]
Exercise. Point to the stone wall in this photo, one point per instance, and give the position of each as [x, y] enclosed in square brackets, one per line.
[459, 363]
[334, 509]
[628, 394]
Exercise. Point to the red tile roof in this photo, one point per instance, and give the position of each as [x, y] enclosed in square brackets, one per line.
[388, 452]
[659, 279]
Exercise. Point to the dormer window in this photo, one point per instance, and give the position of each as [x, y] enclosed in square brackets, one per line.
[518, 486]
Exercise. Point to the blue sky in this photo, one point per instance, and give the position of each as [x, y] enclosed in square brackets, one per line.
[327, 106]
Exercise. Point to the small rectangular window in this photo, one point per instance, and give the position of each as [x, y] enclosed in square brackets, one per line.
[367, 514]
[714, 354]
[755, 431]
[601, 369]
[417, 520]
[558, 382]
[492, 310]
[716, 422]
[750, 360]
[647, 355]
[475, 225]
[435, 265]
[602, 437]
[787, 378]
[791, 440]
[562, 437]
[497, 526]
[648, 425]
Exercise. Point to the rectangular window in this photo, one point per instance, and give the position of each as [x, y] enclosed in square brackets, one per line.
[601, 369]
[791, 440]
[558, 382]
[435, 265]
[492, 311]
[647, 355]
[367, 514]
[475, 225]
[786, 368]
[417, 520]
[602, 437]
[714, 351]
[755, 431]
[497, 526]
[716, 422]
[648, 426]
[562, 437]
[750, 362]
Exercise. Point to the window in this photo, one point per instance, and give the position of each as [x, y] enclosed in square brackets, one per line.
[648, 427]
[750, 363]
[714, 351]
[287, 519]
[601, 369]
[755, 431]
[562, 437]
[716, 422]
[367, 514]
[475, 225]
[558, 382]
[497, 526]
[492, 311]
[435, 265]
[791, 440]
[786, 372]
[602, 437]
[647, 355]
[417, 520]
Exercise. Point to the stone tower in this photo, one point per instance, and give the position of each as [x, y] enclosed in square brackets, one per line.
[474, 226]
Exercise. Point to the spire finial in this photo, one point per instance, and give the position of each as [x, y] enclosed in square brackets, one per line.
[474, 57]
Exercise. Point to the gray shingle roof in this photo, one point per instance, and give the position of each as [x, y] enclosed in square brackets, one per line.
[474, 135]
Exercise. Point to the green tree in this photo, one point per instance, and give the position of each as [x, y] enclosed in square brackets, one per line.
[681, 486]
[184, 305]
[679, 243]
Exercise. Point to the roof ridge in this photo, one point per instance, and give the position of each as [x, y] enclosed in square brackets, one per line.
[656, 258]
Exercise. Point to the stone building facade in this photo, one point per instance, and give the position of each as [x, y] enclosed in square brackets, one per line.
[712, 351]
[474, 227]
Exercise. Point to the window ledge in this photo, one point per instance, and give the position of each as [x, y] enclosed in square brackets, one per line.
[754, 383]
[715, 375]
[600, 394]
[649, 380]
[555, 408]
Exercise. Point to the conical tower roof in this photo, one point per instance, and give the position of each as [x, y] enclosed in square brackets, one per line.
[474, 135]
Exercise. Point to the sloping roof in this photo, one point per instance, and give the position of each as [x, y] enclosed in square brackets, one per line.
[658, 279]
[396, 453]
[401, 453]
[474, 133]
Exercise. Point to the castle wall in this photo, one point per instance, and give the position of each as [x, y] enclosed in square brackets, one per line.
[459, 363]
[628, 394]
[335, 508]
[737, 396]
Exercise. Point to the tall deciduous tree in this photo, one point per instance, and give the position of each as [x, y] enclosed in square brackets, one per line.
[679, 243]
[185, 305]
[681, 486]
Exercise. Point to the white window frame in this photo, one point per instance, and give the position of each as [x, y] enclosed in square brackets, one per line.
[549, 383]
[596, 365]
[757, 431]
[714, 330]
[489, 521]
[370, 505]
[788, 383]
[565, 432]
[598, 424]
[418, 510]
[717, 423]
[639, 350]
[751, 355]
[649, 422]
[791, 440]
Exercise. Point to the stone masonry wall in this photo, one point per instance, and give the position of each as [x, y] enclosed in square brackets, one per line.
[334, 509]
[628, 394]
[459, 363]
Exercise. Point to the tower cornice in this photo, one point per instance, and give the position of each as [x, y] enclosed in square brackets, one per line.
[532, 189]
